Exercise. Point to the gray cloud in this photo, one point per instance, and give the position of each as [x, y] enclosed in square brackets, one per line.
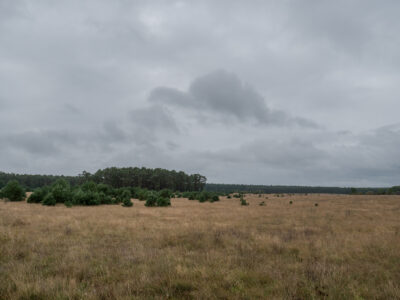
[224, 93]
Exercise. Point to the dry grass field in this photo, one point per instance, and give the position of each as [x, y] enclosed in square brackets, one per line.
[347, 247]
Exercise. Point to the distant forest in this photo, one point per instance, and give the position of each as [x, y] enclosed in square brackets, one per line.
[152, 179]
[158, 179]
[280, 189]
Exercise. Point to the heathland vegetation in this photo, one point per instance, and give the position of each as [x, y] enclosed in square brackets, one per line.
[84, 242]
[347, 247]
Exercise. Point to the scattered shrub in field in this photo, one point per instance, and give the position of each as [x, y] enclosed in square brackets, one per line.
[156, 200]
[13, 191]
[192, 196]
[237, 195]
[38, 195]
[229, 196]
[259, 195]
[49, 200]
[162, 201]
[214, 198]
[262, 203]
[127, 202]
[202, 197]
[151, 200]
[68, 204]
[290, 202]
[243, 201]
[316, 204]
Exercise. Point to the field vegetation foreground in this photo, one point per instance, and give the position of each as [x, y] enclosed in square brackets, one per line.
[345, 247]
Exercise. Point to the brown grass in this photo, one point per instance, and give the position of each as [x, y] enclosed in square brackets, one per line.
[346, 248]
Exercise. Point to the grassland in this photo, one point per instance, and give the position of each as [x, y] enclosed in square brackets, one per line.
[347, 247]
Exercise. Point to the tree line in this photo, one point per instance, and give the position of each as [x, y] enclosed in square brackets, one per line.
[286, 189]
[146, 178]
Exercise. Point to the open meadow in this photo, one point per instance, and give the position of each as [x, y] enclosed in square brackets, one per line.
[347, 247]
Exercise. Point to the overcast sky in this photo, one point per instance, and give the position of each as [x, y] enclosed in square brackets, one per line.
[255, 92]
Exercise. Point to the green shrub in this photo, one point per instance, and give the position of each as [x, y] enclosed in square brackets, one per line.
[142, 194]
[229, 196]
[290, 202]
[316, 204]
[38, 195]
[104, 188]
[81, 197]
[49, 200]
[165, 193]
[89, 186]
[13, 191]
[202, 197]
[104, 198]
[68, 204]
[155, 200]
[262, 203]
[127, 202]
[151, 200]
[243, 201]
[215, 198]
[124, 196]
[162, 201]
[61, 191]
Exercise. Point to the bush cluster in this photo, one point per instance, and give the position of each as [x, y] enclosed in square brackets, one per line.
[88, 193]
[158, 199]
[201, 196]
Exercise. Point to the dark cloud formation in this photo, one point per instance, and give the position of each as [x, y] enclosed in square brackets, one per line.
[224, 93]
[304, 92]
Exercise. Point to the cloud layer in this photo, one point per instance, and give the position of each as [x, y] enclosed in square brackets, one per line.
[288, 92]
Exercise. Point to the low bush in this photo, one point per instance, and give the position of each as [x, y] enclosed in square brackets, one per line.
[243, 201]
[214, 198]
[81, 197]
[154, 199]
[49, 200]
[162, 201]
[151, 200]
[61, 191]
[13, 191]
[142, 194]
[166, 193]
[123, 196]
[127, 202]
[38, 195]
